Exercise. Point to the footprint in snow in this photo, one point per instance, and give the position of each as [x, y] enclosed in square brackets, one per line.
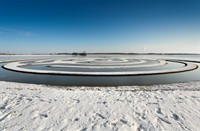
[176, 117]
[44, 115]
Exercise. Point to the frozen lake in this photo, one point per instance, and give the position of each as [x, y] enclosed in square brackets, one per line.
[100, 70]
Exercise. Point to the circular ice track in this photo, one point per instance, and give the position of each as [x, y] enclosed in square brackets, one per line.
[93, 64]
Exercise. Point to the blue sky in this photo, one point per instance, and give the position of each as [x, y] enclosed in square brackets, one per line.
[48, 26]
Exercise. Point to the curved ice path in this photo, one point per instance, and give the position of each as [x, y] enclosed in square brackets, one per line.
[93, 63]
[158, 63]
[18, 66]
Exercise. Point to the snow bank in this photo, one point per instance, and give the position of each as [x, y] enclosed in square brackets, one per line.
[159, 107]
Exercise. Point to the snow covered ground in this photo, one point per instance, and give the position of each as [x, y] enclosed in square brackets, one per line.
[158, 107]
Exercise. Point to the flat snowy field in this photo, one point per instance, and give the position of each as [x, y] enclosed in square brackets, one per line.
[33, 107]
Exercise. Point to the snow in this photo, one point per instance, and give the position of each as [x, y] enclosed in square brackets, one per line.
[17, 60]
[112, 67]
[158, 107]
[17, 66]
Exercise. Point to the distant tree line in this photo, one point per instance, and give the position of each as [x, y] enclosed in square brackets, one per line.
[80, 54]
